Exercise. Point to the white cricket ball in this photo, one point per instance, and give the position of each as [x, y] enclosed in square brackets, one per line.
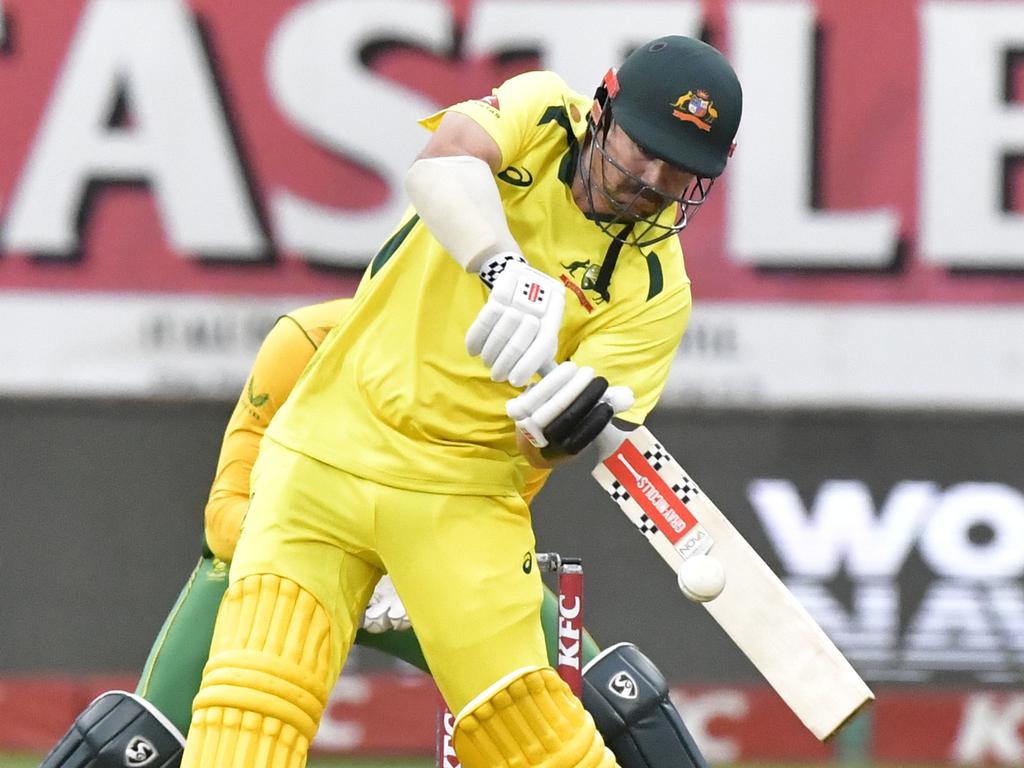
[701, 578]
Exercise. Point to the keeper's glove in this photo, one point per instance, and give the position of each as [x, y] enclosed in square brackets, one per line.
[385, 610]
[516, 332]
[567, 409]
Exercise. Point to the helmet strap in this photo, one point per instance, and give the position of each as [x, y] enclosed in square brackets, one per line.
[608, 89]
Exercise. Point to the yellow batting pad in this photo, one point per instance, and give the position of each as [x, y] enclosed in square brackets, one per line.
[532, 720]
[266, 684]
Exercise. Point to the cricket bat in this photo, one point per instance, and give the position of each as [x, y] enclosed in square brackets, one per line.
[756, 610]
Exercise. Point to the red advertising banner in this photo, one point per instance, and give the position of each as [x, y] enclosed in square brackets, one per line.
[178, 146]
[153, 150]
[384, 715]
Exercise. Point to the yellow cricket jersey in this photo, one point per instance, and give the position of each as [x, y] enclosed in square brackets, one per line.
[393, 396]
[284, 353]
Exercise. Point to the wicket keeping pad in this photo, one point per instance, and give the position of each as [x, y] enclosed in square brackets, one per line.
[628, 698]
[118, 730]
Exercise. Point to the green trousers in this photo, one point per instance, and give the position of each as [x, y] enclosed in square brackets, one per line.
[174, 668]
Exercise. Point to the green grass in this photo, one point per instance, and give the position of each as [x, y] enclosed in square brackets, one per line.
[32, 761]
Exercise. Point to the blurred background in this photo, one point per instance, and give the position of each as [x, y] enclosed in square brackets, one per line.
[174, 175]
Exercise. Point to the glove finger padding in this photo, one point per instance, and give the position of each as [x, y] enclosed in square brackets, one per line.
[385, 611]
[516, 331]
[544, 346]
[512, 351]
[619, 398]
[481, 328]
[565, 398]
[557, 394]
[583, 433]
[502, 332]
[534, 397]
[580, 422]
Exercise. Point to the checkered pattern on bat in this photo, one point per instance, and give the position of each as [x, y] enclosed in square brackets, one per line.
[684, 488]
[643, 522]
[618, 493]
[647, 526]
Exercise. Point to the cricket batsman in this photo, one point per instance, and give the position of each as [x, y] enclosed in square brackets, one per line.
[644, 732]
[395, 452]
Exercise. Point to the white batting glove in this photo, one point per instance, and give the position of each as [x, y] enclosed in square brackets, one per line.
[385, 610]
[569, 395]
[516, 332]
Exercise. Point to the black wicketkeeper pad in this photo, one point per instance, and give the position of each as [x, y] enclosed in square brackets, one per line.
[628, 698]
[118, 730]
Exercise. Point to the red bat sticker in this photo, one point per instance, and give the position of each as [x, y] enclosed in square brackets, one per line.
[650, 491]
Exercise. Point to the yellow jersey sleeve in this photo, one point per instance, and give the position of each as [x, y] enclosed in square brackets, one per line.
[281, 358]
[639, 361]
[502, 114]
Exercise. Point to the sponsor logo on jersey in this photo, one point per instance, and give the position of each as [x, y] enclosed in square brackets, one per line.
[255, 400]
[584, 302]
[697, 108]
[527, 562]
[588, 274]
[517, 177]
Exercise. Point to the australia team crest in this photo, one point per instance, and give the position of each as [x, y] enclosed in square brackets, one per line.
[695, 107]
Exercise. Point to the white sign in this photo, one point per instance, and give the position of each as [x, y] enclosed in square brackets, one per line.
[876, 356]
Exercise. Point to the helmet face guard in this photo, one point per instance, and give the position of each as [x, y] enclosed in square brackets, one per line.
[679, 101]
[649, 229]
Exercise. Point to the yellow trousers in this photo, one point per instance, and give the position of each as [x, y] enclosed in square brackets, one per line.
[317, 539]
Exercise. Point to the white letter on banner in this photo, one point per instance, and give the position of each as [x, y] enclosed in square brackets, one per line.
[604, 32]
[322, 87]
[842, 526]
[967, 128]
[771, 222]
[177, 141]
[994, 509]
[954, 628]
[991, 730]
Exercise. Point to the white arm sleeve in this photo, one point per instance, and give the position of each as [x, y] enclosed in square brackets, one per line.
[457, 199]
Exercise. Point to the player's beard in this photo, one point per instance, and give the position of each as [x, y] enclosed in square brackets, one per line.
[624, 201]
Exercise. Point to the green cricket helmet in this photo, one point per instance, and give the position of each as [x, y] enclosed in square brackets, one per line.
[679, 99]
